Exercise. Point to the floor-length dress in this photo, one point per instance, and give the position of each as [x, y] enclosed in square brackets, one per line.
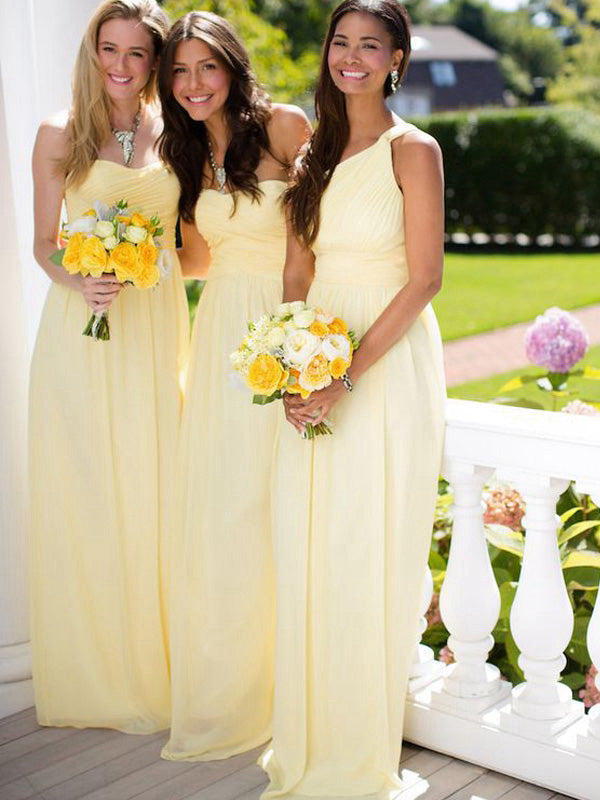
[104, 420]
[223, 600]
[354, 513]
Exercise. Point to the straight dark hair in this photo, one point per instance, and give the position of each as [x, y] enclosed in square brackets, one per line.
[314, 171]
[183, 144]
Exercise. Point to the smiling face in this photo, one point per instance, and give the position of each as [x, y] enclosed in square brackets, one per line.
[201, 82]
[126, 54]
[361, 54]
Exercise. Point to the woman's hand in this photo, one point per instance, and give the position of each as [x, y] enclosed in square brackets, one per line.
[315, 408]
[99, 293]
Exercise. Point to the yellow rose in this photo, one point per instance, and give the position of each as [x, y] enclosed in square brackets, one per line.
[264, 375]
[93, 256]
[338, 326]
[124, 219]
[140, 220]
[338, 366]
[319, 328]
[149, 274]
[124, 261]
[72, 256]
[315, 374]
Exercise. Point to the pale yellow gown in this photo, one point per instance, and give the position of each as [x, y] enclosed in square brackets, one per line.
[104, 419]
[223, 599]
[354, 513]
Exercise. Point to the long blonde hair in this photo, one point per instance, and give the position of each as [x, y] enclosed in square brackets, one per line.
[89, 120]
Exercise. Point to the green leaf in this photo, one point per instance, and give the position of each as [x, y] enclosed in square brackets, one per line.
[576, 529]
[502, 575]
[438, 576]
[263, 400]
[505, 539]
[513, 652]
[566, 516]
[581, 578]
[581, 558]
[57, 258]
[436, 561]
[507, 596]
[574, 680]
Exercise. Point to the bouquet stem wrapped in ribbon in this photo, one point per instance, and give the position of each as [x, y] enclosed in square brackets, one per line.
[298, 349]
[114, 240]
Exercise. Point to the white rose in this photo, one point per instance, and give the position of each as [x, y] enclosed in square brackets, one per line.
[304, 318]
[282, 310]
[335, 345]
[297, 305]
[103, 229]
[135, 234]
[323, 316]
[276, 337]
[109, 242]
[82, 225]
[300, 346]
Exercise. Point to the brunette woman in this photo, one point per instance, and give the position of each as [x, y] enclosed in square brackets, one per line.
[231, 149]
[354, 511]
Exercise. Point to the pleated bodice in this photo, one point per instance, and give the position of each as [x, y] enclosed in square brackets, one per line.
[252, 240]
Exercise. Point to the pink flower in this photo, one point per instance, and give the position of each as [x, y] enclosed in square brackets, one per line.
[432, 615]
[556, 340]
[590, 695]
[504, 506]
[446, 655]
[579, 407]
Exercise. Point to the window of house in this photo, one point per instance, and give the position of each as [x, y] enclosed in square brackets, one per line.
[442, 73]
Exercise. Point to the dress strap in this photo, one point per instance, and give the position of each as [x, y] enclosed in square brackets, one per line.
[398, 130]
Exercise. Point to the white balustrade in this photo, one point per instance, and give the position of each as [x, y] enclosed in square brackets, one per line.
[469, 599]
[424, 668]
[537, 732]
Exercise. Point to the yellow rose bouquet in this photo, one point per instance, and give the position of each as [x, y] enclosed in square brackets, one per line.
[113, 239]
[298, 349]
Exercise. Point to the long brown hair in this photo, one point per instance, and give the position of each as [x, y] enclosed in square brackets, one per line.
[89, 119]
[303, 197]
[183, 144]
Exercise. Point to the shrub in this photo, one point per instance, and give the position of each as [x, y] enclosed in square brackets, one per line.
[531, 171]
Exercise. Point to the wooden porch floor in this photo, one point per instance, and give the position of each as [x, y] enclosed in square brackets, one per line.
[67, 764]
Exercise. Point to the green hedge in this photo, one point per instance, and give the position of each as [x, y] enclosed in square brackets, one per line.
[532, 171]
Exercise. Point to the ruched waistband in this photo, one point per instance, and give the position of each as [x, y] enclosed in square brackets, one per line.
[361, 269]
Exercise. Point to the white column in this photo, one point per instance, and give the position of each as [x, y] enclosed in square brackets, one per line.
[469, 600]
[541, 617]
[15, 670]
[425, 668]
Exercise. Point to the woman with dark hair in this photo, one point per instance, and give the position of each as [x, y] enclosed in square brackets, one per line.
[104, 416]
[231, 150]
[354, 511]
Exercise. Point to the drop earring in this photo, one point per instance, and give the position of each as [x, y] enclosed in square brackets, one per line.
[394, 80]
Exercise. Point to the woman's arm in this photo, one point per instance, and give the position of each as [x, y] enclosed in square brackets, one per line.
[49, 187]
[419, 173]
[299, 269]
[194, 254]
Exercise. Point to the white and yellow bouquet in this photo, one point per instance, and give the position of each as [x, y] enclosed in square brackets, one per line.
[113, 239]
[298, 349]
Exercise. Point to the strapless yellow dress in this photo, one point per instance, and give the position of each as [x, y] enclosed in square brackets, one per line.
[354, 513]
[223, 598]
[104, 419]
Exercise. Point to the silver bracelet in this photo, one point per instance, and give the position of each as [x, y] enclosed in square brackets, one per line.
[347, 381]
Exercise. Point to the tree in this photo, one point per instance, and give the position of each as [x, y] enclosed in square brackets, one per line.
[579, 79]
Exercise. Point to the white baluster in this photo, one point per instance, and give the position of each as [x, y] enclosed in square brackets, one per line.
[541, 617]
[425, 668]
[469, 600]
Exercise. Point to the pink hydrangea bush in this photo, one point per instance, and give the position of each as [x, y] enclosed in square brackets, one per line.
[579, 407]
[590, 695]
[556, 340]
[504, 506]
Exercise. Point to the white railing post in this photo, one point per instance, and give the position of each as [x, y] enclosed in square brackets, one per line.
[541, 617]
[469, 599]
[424, 668]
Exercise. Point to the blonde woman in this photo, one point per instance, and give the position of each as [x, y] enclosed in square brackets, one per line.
[104, 415]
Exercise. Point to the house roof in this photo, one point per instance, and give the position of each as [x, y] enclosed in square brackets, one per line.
[447, 43]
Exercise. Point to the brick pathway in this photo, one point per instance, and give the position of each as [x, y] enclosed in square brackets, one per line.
[475, 357]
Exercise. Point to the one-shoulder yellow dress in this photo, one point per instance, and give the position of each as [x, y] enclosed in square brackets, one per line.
[354, 513]
[104, 420]
[223, 598]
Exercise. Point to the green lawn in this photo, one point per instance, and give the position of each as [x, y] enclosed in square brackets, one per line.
[530, 395]
[483, 292]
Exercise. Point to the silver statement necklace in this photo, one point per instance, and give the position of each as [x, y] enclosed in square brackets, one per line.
[127, 138]
[219, 171]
